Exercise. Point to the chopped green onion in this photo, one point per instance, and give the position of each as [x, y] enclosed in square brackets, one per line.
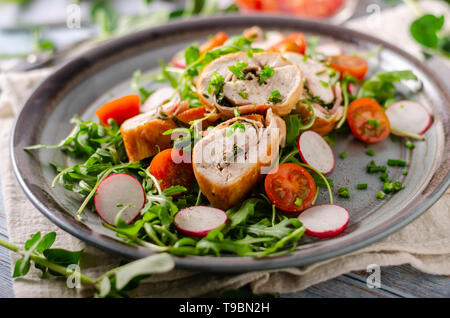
[405, 172]
[373, 168]
[275, 97]
[344, 193]
[396, 163]
[374, 122]
[397, 186]
[370, 152]
[409, 144]
[388, 187]
[361, 186]
[343, 155]
[384, 177]
[380, 195]
[298, 202]
[243, 94]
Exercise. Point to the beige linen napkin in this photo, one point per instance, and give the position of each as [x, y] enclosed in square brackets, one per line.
[425, 243]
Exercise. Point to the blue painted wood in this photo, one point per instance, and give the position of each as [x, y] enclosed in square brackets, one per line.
[5, 261]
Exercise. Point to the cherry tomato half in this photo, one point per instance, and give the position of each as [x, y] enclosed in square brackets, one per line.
[291, 188]
[168, 166]
[367, 120]
[119, 109]
[350, 65]
[217, 40]
[294, 42]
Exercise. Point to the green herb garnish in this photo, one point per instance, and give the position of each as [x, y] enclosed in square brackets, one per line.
[343, 155]
[266, 72]
[237, 69]
[396, 163]
[380, 195]
[344, 193]
[361, 186]
[370, 152]
[275, 97]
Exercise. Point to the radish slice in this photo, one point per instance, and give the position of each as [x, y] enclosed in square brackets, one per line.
[315, 151]
[329, 49]
[165, 97]
[325, 220]
[117, 191]
[178, 60]
[198, 221]
[352, 89]
[408, 116]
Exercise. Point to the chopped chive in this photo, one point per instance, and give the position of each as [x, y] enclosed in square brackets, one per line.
[298, 202]
[243, 94]
[324, 84]
[275, 97]
[344, 193]
[373, 168]
[370, 152]
[396, 163]
[374, 122]
[405, 172]
[361, 186]
[409, 144]
[397, 186]
[388, 187]
[343, 155]
[237, 113]
[384, 177]
[380, 195]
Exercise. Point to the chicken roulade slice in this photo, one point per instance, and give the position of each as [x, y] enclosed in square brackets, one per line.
[265, 80]
[315, 75]
[229, 161]
[143, 135]
[325, 119]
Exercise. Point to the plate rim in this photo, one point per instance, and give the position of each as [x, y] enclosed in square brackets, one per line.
[199, 263]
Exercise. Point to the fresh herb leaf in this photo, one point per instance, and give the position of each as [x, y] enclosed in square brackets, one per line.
[275, 97]
[237, 69]
[265, 73]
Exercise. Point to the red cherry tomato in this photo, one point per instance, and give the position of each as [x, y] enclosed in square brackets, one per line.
[119, 109]
[168, 166]
[294, 42]
[217, 40]
[367, 120]
[350, 65]
[291, 188]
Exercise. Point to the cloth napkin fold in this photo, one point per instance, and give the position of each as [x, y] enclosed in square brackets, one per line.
[425, 243]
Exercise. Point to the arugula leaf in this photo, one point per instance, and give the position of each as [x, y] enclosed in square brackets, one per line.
[158, 263]
[227, 245]
[293, 125]
[265, 228]
[105, 15]
[241, 215]
[381, 87]
[191, 54]
[425, 30]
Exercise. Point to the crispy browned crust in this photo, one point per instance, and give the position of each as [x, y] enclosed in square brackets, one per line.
[147, 139]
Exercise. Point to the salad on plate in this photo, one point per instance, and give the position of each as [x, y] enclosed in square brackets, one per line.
[228, 155]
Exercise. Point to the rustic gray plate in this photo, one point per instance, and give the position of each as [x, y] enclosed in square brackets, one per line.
[87, 81]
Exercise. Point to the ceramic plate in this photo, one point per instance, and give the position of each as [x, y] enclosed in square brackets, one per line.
[84, 83]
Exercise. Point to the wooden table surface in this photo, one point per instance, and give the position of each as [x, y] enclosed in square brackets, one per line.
[396, 281]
